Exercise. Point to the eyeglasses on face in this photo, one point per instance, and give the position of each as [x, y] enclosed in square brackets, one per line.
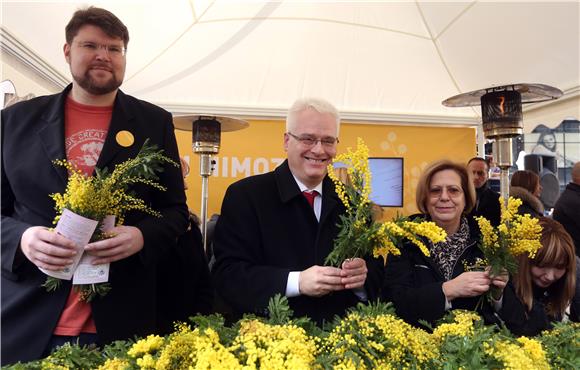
[452, 191]
[310, 141]
[93, 47]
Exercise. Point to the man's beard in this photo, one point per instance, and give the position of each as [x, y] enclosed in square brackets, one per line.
[88, 83]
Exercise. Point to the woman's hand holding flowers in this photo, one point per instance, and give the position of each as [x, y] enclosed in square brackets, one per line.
[498, 283]
[468, 284]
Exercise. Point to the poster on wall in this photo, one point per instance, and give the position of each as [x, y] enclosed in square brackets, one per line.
[561, 142]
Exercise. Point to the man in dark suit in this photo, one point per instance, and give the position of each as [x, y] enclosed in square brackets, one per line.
[92, 124]
[487, 204]
[270, 240]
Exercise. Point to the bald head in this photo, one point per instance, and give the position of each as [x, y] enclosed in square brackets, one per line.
[576, 173]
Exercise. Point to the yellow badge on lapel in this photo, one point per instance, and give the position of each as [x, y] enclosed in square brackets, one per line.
[125, 138]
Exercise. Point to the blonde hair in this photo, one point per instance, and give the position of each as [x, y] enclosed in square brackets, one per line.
[557, 251]
[422, 196]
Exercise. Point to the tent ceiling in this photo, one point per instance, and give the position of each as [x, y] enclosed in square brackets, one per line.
[389, 61]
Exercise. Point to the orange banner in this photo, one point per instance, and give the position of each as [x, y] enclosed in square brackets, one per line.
[259, 148]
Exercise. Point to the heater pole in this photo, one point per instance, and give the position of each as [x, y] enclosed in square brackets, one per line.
[205, 171]
[502, 150]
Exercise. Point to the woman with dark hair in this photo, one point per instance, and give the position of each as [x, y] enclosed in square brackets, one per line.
[425, 287]
[544, 286]
[525, 185]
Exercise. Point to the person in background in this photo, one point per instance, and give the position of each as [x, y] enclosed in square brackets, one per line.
[184, 286]
[487, 200]
[92, 124]
[544, 286]
[276, 229]
[525, 185]
[426, 287]
[567, 208]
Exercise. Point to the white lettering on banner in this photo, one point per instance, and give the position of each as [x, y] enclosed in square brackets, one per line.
[236, 167]
[263, 162]
[240, 167]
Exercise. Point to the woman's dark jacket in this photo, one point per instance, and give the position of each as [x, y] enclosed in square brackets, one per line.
[413, 282]
[521, 322]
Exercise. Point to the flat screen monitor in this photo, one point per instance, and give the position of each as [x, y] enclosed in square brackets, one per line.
[386, 181]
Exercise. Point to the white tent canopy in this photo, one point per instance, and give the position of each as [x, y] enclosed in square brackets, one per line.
[376, 61]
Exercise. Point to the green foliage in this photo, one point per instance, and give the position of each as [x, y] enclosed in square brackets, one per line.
[279, 311]
[65, 357]
[374, 308]
[52, 284]
[369, 337]
[217, 323]
[467, 352]
[562, 345]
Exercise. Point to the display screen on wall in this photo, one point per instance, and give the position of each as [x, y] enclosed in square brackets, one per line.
[386, 181]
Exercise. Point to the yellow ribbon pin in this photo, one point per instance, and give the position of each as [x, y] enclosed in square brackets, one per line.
[125, 138]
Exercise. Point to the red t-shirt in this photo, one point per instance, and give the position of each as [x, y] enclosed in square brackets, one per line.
[85, 130]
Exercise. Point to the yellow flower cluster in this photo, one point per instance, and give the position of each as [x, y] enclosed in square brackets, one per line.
[378, 342]
[357, 163]
[515, 235]
[114, 364]
[488, 234]
[259, 345]
[524, 236]
[195, 349]
[340, 189]
[146, 346]
[508, 212]
[384, 243]
[534, 350]
[525, 354]
[360, 234]
[109, 193]
[461, 326]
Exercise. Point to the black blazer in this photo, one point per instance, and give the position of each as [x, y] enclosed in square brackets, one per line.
[32, 137]
[267, 229]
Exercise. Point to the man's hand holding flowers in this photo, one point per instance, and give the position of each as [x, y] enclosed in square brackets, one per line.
[354, 273]
[318, 281]
[47, 249]
[127, 241]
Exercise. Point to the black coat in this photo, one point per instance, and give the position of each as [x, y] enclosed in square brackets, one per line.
[184, 287]
[567, 212]
[32, 137]
[267, 229]
[487, 205]
[413, 282]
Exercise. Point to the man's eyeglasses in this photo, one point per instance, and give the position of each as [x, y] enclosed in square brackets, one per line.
[310, 141]
[112, 50]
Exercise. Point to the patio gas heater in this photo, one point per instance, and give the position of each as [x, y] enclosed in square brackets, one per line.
[501, 108]
[206, 136]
